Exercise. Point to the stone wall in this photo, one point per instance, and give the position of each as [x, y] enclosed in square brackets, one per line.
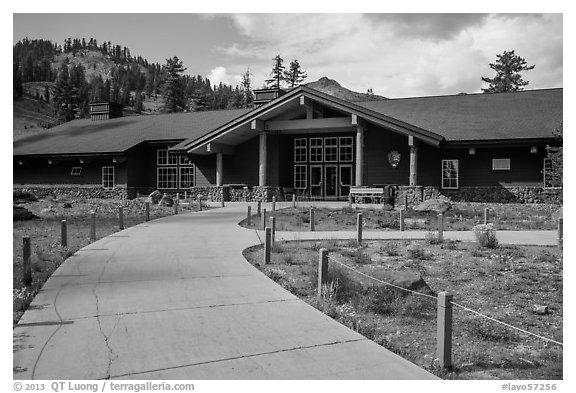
[73, 191]
[235, 194]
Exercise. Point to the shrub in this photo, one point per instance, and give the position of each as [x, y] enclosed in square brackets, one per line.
[486, 235]
[390, 249]
[416, 251]
[491, 331]
[382, 299]
[432, 238]
[450, 245]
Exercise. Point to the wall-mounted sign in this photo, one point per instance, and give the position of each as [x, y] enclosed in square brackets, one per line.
[394, 158]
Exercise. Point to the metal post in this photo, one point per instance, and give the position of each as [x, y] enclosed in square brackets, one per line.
[249, 216]
[440, 227]
[294, 200]
[311, 219]
[444, 330]
[359, 228]
[401, 220]
[267, 246]
[263, 218]
[147, 205]
[92, 226]
[273, 226]
[64, 234]
[486, 215]
[560, 232]
[121, 218]
[27, 266]
[273, 203]
[322, 269]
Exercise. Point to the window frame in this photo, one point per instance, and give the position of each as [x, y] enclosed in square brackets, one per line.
[457, 178]
[343, 145]
[317, 155]
[501, 160]
[303, 181]
[336, 150]
[300, 149]
[166, 169]
[163, 155]
[108, 176]
[192, 174]
[76, 171]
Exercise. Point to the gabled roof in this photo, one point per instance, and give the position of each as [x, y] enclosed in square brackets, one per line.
[475, 117]
[115, 136]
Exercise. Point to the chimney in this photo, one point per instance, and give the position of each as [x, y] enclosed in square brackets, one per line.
[105, 110]
[262, 96]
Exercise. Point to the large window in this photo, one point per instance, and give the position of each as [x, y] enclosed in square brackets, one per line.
[167, 177]
[331, 149]
[300, 150]
[316, 149]
[300, 177]
[449, 174]
[163, 158]
[186, 177]
[108, 177]
[346, 148]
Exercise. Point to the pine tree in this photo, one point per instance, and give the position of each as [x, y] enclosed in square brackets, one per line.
[246, 91]
[277, 74]
[295, 75]
[64, 95]
[508, 67]
[173, 88]
[138, 102]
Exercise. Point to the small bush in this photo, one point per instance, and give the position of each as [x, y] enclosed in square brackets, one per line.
[360, 257]
[432, 238]
[382, 299]
[277, 248]
[390, 249]
[486, 235]
[416, 251]
[449, 245]
[491, 331]
[545, 257]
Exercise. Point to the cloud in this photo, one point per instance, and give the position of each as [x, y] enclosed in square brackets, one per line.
[400, 55]
[220, 74]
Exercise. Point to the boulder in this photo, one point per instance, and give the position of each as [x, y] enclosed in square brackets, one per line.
[22, 214]
[166, 201]
[437, 205]
[409, 279]
[540, 310]
[557, 214]
[155, 197]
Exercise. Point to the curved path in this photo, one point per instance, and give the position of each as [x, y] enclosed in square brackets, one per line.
[175, 299]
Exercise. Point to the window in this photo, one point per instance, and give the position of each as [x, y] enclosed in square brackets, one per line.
[185, 160]
[163, 158]
[500, 164]
[108, 177]
[167, 177]
[186, 176]
[331, 149]
[449, 174]
[315, 149]
[76, 171]
[346, 148]
[300, 178]
[300, 150]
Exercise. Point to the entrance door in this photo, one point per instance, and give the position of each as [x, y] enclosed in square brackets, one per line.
[331, 180]
[316, 181]
[345, 180]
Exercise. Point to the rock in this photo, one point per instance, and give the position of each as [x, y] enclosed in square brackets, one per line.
[48, 210]
[540, 310]
[166, 201]
[387, 207]
[409, 279]
[22, 214]
[155, 197]
[438, 205]
[557, 214]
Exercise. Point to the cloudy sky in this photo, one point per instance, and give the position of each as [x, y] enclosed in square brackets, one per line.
[397, 55]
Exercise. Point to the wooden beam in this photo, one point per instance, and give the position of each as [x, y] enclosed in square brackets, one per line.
[215, 147]
[257, 125]
[307, 124]
[354, 120]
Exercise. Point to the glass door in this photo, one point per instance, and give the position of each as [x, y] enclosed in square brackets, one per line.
[345, 180]
[331, 178]
[316, 181]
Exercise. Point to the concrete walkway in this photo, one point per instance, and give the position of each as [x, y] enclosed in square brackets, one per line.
[175, 299]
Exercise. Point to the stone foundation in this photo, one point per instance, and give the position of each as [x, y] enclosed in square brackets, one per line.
[73, 191]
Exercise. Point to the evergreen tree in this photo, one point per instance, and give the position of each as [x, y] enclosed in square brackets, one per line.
[64, 95]
[277, 74]
[173, 88]
[246, 91]
[17, 80]
[138, 102]
[294, 76]
[47, 95]
[554, 168]
[508, 67]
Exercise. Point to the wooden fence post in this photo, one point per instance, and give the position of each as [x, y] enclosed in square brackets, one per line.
[176, 206]
[486, 210]
[406, 200]
[26, 265]
[350, 201]
[267, 246]
[359, 228]
[259, 211]
[561, 232]
[273, 203]
[121, 218]
[294, 201]
[222, 201]
[263, 219]
[147, 206]
[249, 216]
[64, 234]
[440, 227]
[402, 220]
[273, 226]
[322, 269]
[311, 219]
[92, 226]
[444, 330]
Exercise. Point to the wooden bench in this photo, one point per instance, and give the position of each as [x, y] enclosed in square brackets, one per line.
[374, 194]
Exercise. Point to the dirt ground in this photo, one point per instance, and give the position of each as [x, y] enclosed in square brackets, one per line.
[505, 283]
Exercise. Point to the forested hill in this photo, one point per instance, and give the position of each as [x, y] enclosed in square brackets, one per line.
[90, 71]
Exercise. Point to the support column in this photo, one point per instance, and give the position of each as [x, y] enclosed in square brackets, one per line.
[359, 153]
[413, 160]
[219, 169]
[263, 157]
